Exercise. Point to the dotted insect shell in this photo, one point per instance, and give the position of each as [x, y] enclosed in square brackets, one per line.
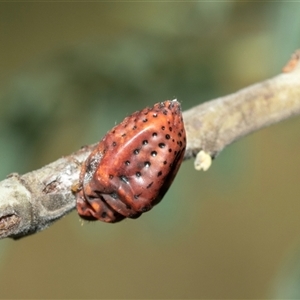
[133, 166]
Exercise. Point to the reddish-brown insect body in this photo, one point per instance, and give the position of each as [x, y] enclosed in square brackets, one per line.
[133, 166]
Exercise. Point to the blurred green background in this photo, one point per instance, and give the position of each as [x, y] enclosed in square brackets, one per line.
[70, 71]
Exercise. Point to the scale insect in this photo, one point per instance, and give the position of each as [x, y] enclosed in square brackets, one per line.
[133, 166]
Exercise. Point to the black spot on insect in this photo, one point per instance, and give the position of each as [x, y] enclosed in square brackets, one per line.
[136, 151]
[154, 134]
[170, 150]
[114, 195]
[137, 196]
[161, 145]
[159, 173]
[165, 162]
[170, 128]
[153, 153]
[124, 179]
[147, 164]
[163, 127]
[127, 162]
[149, 185]
[134, 127]
[111, 176]
[145, 142]
[114, 144]
[154, 115]
[145, 120]
[179, 134]
[124, 134]
[113, 132]
[168, 136]
[138, 174]
[165, 112]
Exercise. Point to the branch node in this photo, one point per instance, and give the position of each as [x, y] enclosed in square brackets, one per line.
[292, 63]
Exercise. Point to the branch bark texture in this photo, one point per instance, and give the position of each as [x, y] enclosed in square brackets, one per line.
[33, 201]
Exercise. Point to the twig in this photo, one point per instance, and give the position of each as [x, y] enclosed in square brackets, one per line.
[33, 201]
[215, 124]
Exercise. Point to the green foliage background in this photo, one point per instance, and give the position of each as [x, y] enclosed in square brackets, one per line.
[70, 71]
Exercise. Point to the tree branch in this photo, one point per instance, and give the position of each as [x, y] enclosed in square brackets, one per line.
[217, 123]
[33, 201]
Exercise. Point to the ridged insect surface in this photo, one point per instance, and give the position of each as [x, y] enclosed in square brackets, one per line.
[133, 166]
